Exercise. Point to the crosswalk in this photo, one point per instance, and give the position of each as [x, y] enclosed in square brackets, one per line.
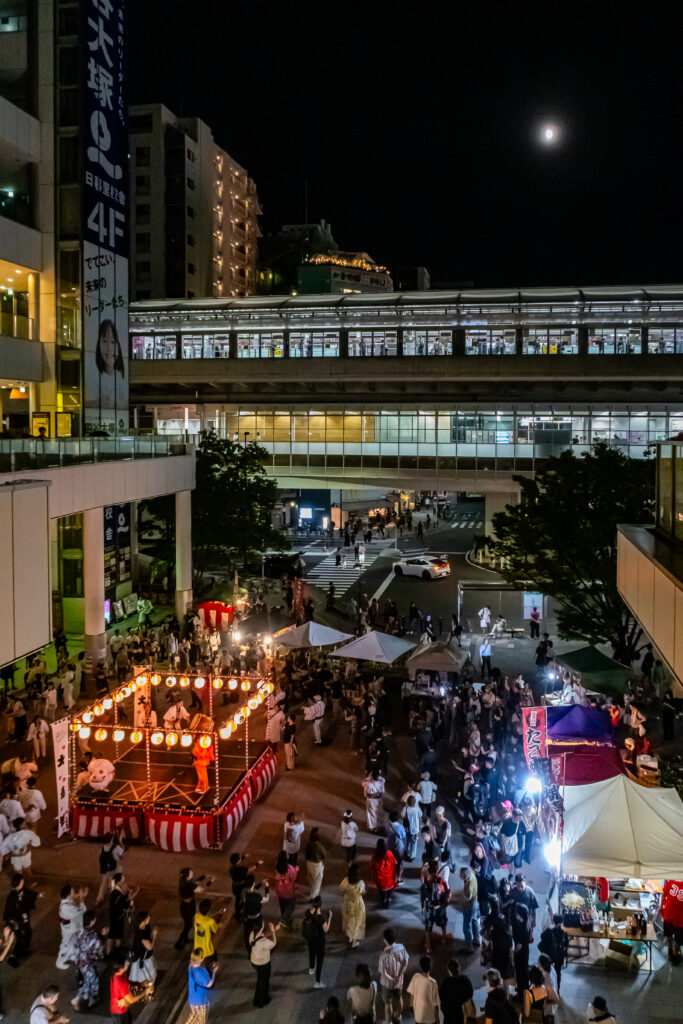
[466, 522]
[343, 577]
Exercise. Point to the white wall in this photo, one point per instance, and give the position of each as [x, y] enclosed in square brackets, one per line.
[25, 623]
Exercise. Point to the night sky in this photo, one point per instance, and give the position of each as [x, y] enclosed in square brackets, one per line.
[416, 127]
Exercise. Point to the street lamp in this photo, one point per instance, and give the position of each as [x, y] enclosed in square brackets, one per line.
[246, 435]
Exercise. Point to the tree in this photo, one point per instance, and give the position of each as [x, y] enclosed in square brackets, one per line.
[562, 540]
[232, 503]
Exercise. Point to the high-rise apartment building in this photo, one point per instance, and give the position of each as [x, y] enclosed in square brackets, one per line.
[194, 219]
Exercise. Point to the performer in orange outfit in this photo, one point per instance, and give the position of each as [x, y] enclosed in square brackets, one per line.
[203, 756]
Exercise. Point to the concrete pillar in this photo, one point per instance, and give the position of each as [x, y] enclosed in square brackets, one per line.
[93, 584]
[133, 515]
[495, 501]
[183, 552]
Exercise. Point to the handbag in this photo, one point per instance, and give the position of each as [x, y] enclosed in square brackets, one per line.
[469, 1010]
[511, 844]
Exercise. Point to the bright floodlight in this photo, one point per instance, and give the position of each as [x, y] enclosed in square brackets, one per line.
[551, 851]
[533, 785]
[549, 134]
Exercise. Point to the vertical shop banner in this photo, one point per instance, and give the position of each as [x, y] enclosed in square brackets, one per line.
[534, 732]
[60, 742]
[105, 215]
[117, 548]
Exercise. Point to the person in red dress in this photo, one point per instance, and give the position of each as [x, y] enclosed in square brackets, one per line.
[203, 756]
[383, 867]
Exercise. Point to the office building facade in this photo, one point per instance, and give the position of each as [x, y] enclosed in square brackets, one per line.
[195, 210]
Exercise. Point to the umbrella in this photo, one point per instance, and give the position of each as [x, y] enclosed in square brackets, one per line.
[438, 656]
[310, 634]
[375, 647]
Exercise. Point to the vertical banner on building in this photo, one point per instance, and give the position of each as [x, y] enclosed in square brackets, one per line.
[534, 732]
[105, 216]
[60, 742]
[117, 547]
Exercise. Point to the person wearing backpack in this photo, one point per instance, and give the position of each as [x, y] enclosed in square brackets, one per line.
[111, 853]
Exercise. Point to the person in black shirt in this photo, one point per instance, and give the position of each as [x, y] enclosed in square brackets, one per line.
[187, 891]
[19, 905]
[239, 873]
[252, 903]
[454, 990]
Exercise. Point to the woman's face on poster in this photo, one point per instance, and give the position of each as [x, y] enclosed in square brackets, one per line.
[108, 349]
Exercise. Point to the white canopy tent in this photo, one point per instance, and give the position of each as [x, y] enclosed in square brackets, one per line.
[375, 646]
[438, 656]
[620, 829]
[310, 634]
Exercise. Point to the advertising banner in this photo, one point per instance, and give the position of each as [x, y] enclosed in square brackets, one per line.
[60, 742]
[117, 548]
[105, 198]
[535, 734]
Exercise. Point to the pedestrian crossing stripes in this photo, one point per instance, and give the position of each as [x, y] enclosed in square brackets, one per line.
[466, 523]
[342, 576]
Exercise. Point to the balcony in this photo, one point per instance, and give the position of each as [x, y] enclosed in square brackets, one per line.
[22, 455]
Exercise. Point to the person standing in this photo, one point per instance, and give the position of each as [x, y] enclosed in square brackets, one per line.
[484, 615]
[427, 789]
[455, 990]
[32, 801]
[362, 996]
[293, 831]
[289, 742]
[534, 623]
[88, 951]
[261, 943]
[19, 905]
[383, 867]
[284, 885]
[396, 843]
[393, 963]
[71, 911]
[275, 726]
[252, 906]
[412, 820]
[469, 905]
[348, 834]
[597, 1011]
[352, 889]
[120, 904]
[317, 713]
[37, 735]
[314, 855]
[373, 788]
[20, 719]
[19, 845]
[424, 994]
[199, 982]
[187, 891]
[314, 929]
[554, 943]
[44, 1008]
[205, 927]
[121, 997]
[144, 968]
[111, 852]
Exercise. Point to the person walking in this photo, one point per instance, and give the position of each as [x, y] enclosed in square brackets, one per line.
[19, 905]
[289, 743]
[383, 867]
[427, 790]
[373, 788]
[187, 892]
[454, 992]
[71, 911]
[352, 889]
[362, 996]
[33, 802]
[19, 845]
[554, 943]
[393, 963]
[348, 836]
[293, 831]
[597, 1011]
[396, 843]
[284, 885]
[424, 994]
[469, 906]
[261, 944]
[522, 936]
[485, 657]
[314, 855]
[88, 952]
[200, 981]
[121, 997]
[412, 820]
[120, 906]
[314, 929]
[111, 852]
[316, 713]
[44, 1008]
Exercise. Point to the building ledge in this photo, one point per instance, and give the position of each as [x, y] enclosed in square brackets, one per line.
[667, 556]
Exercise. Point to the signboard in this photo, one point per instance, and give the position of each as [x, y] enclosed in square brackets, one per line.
[534, 734]
[40, 424]
[531, 600]
[105, 208]
[60, 743]
[117, 563]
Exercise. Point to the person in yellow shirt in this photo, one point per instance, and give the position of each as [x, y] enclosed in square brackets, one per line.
[205, 927]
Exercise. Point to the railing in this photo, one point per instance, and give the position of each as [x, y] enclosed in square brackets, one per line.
[19, 455]
[12, 325]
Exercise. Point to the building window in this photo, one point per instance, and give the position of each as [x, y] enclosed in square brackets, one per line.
[190, 239]
[664, 341]
[260, 346]
[142, 213]
[142, 242]
[190, 156]
[190, 183]
[140, 123]
[190, 212]
[143, 155]
[427, 343]
[550, 341]
[143, 267]
[373, 343]
[68, 159]
[611, 341]
[148, 346]
[190, 268]
[142, 184]
[303, 344]
[498, 341]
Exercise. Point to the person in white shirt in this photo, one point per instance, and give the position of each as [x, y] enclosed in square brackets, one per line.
[393, 963]
[427, 789]
[293, 831]
[424, 994]
[50, 697]
[4, 827]
[484, 618]
[67, 681]
[22, 770]
[18, 846]
[349, 833]
[10, 806]
[71, 910]
[177, 717]
[44, 1008]
[314, 713]
[32, 801]
[274, 726]
[373, 788]
[37, 734]
[260, 945]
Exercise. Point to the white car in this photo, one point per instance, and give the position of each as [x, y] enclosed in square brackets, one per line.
[429, 567]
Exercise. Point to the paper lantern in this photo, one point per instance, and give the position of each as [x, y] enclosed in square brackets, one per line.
[186, 740]
[119, 735]
[100, 735]
[141, 680]
[84, 732]
[246, 685]
[253, 703]
[136, 736]
[171, 739]
[156, 679]
[118, 697]
[217, 684]
[133, 687]
[98, 709]
[107, 703]
[232, 684]
[125, 692]
[200, 682]
[259, 698]
[239, 718]
[184, 681]
[87, 717]
[270, 687]
[76, 726]
[224, 733]
[170, 680]
[157, 738]
[247, 712]
[205, 741]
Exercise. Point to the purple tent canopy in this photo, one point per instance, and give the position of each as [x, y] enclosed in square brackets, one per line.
[579, 723]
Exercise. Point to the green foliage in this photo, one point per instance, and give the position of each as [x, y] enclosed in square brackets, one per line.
[562, 539]
[231, 504]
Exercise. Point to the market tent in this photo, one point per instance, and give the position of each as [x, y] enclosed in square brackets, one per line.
[310, 634]
[584, 764]
[579, 723]
[375, 647]
[620, 829]
[597, 671]
[439, 657]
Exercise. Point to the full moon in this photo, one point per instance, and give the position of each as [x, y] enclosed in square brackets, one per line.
[549, 134]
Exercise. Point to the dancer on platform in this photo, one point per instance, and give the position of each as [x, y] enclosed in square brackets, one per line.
[203, 756]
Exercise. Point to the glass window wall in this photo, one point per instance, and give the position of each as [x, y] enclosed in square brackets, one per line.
[427, 343]
[260, 346]
[303, 344]
[498, 341]
[611, 341]
[373, 343]
[664, 341]
[550, 341]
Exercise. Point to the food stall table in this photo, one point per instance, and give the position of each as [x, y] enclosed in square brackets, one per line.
[581, 950]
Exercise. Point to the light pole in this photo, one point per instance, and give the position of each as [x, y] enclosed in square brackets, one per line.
[247, 433]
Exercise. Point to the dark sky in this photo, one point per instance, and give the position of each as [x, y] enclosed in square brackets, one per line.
[415, 125]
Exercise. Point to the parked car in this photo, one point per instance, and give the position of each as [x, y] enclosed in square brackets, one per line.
[429, 567]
